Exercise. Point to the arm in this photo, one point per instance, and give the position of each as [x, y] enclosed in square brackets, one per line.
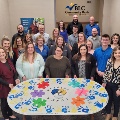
[51, 51]
[81, 28]
[4, 82]
[73, 68]
[47, 65]
[98, 30]
[41, 69]
[68, 53]
[68, 29]
[85, 31]
[74, 49]
[19, 66]
[68, 70]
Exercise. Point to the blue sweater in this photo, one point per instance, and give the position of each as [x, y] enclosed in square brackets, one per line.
[65, 35]
[44, 52]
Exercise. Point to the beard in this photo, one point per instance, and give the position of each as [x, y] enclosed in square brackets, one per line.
[20, 32]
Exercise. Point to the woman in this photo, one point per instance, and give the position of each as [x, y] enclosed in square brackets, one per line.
[115, 40]
[8, 78]
[60, 42]
[28, 38]
[18, 48]
[40, 48]
[30, 64]
[90, 46]
[63, 31]
[57, 66]
[83, 64]
[55, 35]
[81, 40]
[5, 42]
[111, 80]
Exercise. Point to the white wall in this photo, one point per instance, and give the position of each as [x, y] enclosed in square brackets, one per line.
[111, 17]
[4, 19]
[31, 9]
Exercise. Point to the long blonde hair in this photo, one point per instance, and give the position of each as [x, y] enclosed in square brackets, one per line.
[25, 54]
[5, 52]
[53, 37]
[10, 53]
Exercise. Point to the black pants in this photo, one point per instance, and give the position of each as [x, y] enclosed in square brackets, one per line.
[6, 110]
[111, 89]
[98, 79]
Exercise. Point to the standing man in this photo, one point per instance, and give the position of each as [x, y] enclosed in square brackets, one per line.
[41, 29]
[95, 38]
[102, 54]
[20, 33]
[90, 26]
[74, 22]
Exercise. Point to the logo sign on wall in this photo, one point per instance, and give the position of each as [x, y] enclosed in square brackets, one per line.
[76, 9]
[31, 24]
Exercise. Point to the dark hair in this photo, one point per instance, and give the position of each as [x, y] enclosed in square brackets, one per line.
[78, 56]
[116, 34]
[31, 40]
[114, 50]
[63, 40]
[59, 47]
[106, 36]
[63, 25]
[75, 26]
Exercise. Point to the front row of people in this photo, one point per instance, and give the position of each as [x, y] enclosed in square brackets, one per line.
[31, 65]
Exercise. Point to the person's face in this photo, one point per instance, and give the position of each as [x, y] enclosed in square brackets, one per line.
[75, 30]
[81, 38]
[58, 52]
[2, 54]
[83, 50]
[60, 41]
[41, 28]
[19, 42]
[55, 33]
[115, 39]
[20, 28]
[92, 20]
[61, 24]
[89, 44]
[105, 41]
[30, 49]
[94, 32]
[75, 18]
[117, 55]
[28, 38]
[40, 42]
[6, 44]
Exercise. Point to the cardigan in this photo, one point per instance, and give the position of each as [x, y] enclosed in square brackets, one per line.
[23, 67]
[90, 67]
[108, 76]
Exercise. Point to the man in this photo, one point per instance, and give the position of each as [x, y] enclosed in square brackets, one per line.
[73, 37]
[20, 33]
[90, 26]
[41, 29]
[95, 38]
[102, 54]
[74, 22]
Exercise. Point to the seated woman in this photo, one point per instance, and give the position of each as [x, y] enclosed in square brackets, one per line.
[8, 78]
[83, 64]
[60, 42]
[57, 66]
[90, 46]
[40, 48]
[18, 48]
[30, 64]
[55, 34]
[81, 40]
[111, 80]
[115, 40]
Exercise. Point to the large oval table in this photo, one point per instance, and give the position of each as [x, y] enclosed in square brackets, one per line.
[57, 96]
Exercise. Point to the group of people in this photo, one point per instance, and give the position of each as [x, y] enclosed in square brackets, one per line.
[69, 53]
